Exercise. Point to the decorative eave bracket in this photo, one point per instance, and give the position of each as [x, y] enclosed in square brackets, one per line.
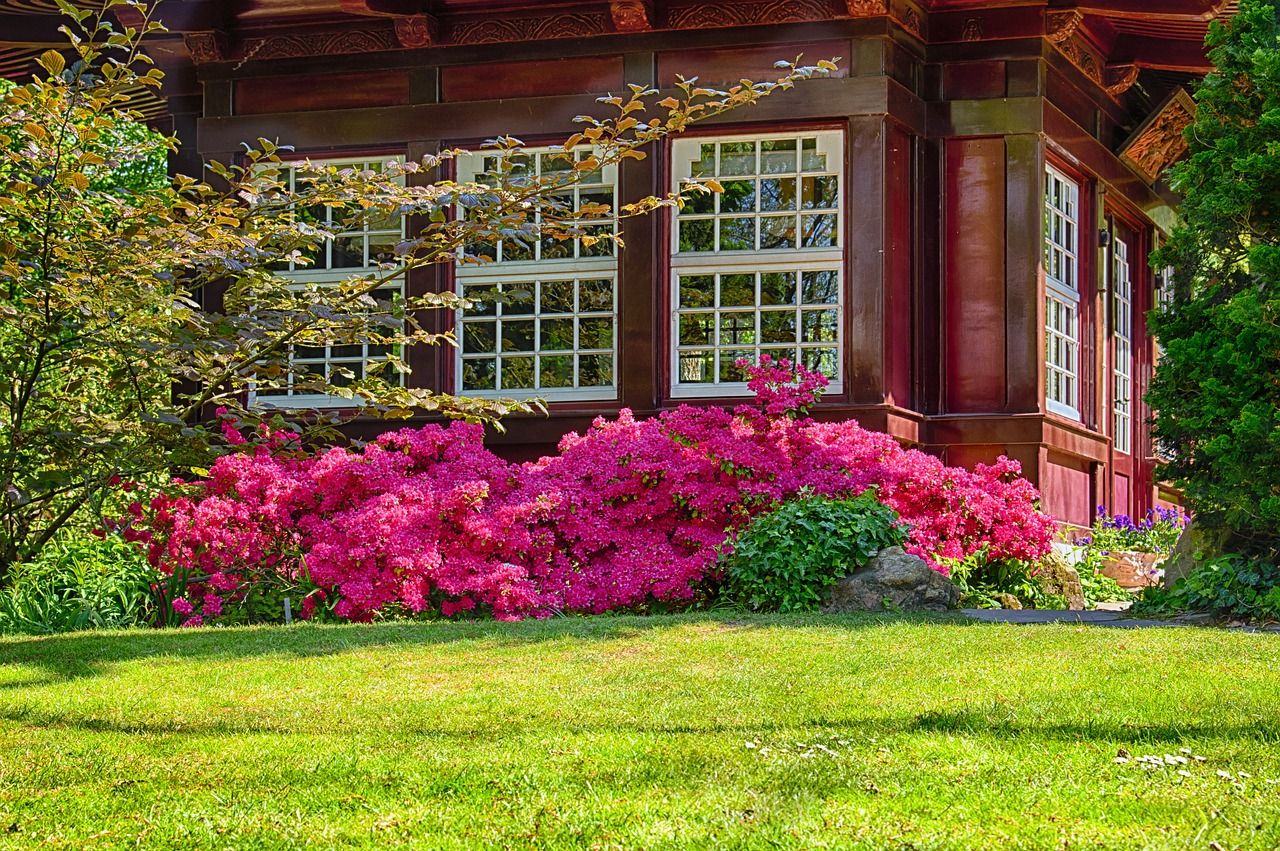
[1157, 143]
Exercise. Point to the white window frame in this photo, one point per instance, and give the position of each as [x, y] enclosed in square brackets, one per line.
[1122, 348]
[515, 275]
[314, 274]
[686, 152]
[1062, 293]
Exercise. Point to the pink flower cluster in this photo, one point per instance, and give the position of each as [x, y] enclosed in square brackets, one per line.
[632, 511]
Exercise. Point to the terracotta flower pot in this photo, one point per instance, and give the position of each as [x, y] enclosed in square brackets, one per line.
[1133, 570]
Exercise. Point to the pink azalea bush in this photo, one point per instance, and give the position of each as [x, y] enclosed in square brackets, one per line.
[631, 512]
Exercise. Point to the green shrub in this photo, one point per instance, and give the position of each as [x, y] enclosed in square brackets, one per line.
[78, 582]
[785, 560]
[982, 580]
[1232, 584]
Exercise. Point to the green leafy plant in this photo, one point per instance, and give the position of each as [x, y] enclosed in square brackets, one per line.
[1096, 587]
[1230, 585]
[80, 582]
[982, 581]
[786, 559]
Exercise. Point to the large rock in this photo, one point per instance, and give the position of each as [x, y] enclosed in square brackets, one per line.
[893, 579]
[1195, 544]
[1056, 576]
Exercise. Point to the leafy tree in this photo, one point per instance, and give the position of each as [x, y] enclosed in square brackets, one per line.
[132, 312]
[1217, 387]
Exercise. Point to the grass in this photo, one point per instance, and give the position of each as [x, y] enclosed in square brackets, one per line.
[633, 733]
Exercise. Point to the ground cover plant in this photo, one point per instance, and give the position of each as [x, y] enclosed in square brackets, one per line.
[738, 731]
[631, 513]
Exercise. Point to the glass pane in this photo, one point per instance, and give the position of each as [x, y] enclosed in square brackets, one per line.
[478, 374]
[353, 351]
[820, 192]
[519, 300]
[706, 166]
[820, 287]
[557, 249]
[595, 295]
[778, 326]
[738, 290]
[479, 337]
[810, 159]
[737, 328]
[602, 247]
[737, 234]
[595, 370]
[696, 329]
[555, 162]
[777, 232]
[822, 360]
[381, 247]
[556, 371]
[778, 194]
[515, 249]
[557, 334]
[595, 333]
[487, 250]
[697, 366]
[738, 158]
[348, 252]
[700, 202]
[697, 235]
[517, 373]
[557, 296]
[818, 231]
[778, 157]
[697, 291]
[729, 370]
[337, 379]
[739, 196]
[819, 326]
[517, 337]
[308, 352]
[778, 288]
[603, 197]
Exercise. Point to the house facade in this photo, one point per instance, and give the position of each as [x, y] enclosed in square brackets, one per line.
[954, 226]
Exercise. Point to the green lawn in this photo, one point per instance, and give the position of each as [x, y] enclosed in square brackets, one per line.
[664, 732]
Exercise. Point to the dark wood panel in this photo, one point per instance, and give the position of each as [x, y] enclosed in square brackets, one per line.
[333, 91]
[492, 80]
[815, 100]
[974, 305]
[974, 80]
[1024, 250]
[865, 238]
[994, 117]
[900, 255]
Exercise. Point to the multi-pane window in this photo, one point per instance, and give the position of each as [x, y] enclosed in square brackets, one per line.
[1122, 336]
[1062, 293]
[757, 268]
[552, 330]
[352, 251]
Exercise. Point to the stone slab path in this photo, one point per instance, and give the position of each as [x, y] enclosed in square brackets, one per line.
[1095, 618]
[1117, 620]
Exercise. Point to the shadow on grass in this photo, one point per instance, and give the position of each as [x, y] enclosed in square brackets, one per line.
[67, 657]
[965, 723]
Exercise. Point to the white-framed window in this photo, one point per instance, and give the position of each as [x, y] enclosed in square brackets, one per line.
[554, 333]
[1062, 293]
[1122, 339]
[354, 251]
[758, 268]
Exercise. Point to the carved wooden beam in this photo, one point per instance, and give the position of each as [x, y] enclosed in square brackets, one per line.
[417, 30]
[1158, 143]
[1060, 26]
[866, 8]
[208, 46]
[382, 8]
[1120, 78]
[632, 16]
[1165, 54]
[1164, 10]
